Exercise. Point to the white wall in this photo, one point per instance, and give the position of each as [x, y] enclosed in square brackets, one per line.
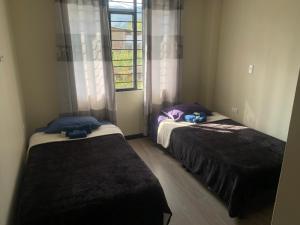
[266, 34]
[192, 26]
[34, 31]
[200, 29]
[287, 203]
[12, 126]
[130, 111]
[209, 51]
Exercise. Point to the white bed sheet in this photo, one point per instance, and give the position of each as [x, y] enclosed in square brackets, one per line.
[166, 127]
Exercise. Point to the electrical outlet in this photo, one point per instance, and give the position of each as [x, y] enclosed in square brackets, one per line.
[235, 110]
[251, 69]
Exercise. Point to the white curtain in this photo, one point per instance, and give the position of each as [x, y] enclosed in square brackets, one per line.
[162, 54]
[85, 60]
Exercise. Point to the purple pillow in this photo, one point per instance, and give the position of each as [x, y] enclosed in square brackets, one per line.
[177, 112]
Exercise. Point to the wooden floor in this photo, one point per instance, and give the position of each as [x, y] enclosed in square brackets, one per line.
[190, 202]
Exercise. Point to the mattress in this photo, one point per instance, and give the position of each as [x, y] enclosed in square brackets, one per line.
[232, 160]
[94, 180]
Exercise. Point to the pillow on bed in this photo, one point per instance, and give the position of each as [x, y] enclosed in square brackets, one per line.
[177, 112]
[67, 122]
[86, 128]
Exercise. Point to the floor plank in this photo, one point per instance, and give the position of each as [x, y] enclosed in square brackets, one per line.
[190, 202]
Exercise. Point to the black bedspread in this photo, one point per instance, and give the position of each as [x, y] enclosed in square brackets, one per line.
[234, 161]
[99, 181]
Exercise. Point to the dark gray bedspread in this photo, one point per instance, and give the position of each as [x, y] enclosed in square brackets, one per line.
[93, 181]
[234, 161]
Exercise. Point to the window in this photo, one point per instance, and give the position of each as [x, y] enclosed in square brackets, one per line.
[127, 43]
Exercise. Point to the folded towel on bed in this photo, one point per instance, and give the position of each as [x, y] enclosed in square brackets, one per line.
[74, 134]
[189, 118]
[196, 117]
[86, 128]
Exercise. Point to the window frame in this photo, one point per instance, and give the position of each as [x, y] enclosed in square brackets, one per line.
[133, 12]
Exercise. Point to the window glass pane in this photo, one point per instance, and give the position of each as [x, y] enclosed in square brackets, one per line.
[139, 17]
[124, 26]
[121, 17]
[139, 26]
[122, 45]
[125, 1]
[140, 44]
[139, 69]
[119, 35]
[139, 61]
[125, 78]
[123, 62]
[140, 81]
[123, 70]
[139, 54]
[122, 54]
[139, 36]
[121, 4]
[124, 85]
[127, 64]
[124, 81]
[139, 7]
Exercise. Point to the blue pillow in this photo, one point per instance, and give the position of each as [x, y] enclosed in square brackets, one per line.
[67, 122]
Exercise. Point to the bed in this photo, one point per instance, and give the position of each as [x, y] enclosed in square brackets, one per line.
[94, 180]
[235, 162]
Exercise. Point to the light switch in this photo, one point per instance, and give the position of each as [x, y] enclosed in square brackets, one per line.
[251, 69]
[235, 110]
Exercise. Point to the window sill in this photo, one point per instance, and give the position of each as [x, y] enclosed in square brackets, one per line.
[128, 89]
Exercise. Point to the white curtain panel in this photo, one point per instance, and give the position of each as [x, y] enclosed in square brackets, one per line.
[162, 54]
[85, 66]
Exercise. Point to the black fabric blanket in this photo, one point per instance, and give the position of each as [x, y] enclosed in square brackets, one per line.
[234, 161]
[93, 181]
